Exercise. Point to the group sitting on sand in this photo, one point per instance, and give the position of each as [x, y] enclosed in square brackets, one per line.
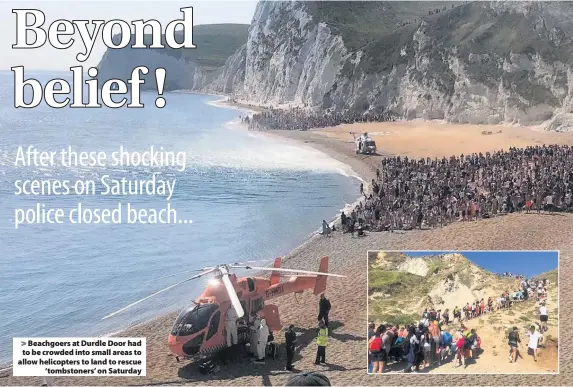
[409, 194]
[430, 342]
[300, 119]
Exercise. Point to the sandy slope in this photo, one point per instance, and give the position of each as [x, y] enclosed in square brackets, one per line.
[346, 351]
[436, 139]
[492, 329]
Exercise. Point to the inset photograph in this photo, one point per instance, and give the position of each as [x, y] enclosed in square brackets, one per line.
[473, 312]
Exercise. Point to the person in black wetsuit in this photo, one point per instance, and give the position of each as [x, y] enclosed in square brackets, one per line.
[323, 309]
[290, 338]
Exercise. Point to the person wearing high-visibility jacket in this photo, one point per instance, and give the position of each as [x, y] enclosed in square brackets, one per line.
[322, 341]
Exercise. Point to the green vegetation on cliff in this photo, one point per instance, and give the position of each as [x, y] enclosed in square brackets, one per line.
[552, 276]
[382, 280]
[215, 44]
[362, 22]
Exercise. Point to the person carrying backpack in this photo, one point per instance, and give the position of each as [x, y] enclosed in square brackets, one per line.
[445, 344]
[513, 341]
[468, 341]
[460, 340]
[472, 339]
[457, 314]
[416, 353]
[377, 353]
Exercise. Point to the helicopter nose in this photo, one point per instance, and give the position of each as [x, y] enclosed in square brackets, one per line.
[193, 345]
[172, 340]
[175, 346]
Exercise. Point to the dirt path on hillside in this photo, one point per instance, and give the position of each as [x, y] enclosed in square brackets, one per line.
[494, 355]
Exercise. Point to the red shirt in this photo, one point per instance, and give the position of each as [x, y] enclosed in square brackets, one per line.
[376, 344]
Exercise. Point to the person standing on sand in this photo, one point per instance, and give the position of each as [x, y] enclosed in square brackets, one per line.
[326, 230]
[534, 339]
[376, 351]
[457, 314]
[473, 339]
[254, 329]
[231, 326]
[445, 346]
[415, 352]
[549, 202]
[371, 333]
[387, 340]
[513, 342]
[468, 311]
[290, 340]
[322, 343]
[323, 309]
[427, 346]
[460, 340]
[539, 201]
[446, 317]
[543, 317]
[434, 331]
[262, 338]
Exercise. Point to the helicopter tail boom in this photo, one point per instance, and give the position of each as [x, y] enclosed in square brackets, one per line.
[275, 275]
[320, 282]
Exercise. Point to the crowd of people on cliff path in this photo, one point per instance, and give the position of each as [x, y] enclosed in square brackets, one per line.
[423, 345]
[415, 193]
[300, 119]
[432, 342]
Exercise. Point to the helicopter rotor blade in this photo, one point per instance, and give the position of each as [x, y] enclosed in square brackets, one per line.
[233, 295]
[288, 270]
[208, 268]
[246, 263]
[183, 272]
[158, 292]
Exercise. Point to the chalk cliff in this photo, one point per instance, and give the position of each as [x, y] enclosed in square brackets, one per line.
[185, 68]
[468, 62]
[478, 62]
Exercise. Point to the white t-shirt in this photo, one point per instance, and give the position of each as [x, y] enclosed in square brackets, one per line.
[534, 339]
[543, 311]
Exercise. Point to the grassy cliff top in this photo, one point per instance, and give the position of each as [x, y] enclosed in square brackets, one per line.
[552, 276]
[362, 22]
[215, 44]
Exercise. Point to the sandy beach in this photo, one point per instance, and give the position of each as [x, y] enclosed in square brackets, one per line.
[346, 354]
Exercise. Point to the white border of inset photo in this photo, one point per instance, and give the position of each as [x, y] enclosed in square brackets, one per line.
[462, 253]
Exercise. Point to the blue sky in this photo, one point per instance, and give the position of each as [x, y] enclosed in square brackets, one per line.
[528, 263]
[49, 58]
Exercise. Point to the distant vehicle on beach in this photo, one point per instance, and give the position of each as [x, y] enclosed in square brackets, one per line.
[364, 144]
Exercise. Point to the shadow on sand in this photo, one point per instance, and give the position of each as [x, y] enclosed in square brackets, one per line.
[235, 362]
[450, 361]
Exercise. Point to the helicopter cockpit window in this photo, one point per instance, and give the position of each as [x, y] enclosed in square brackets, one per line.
[214, 325]
[257, 305]
[251, 283]
[193, 319]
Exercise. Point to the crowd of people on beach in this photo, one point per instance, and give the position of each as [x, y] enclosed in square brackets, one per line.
[412, 194]
[300, 119]
[430, 342]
